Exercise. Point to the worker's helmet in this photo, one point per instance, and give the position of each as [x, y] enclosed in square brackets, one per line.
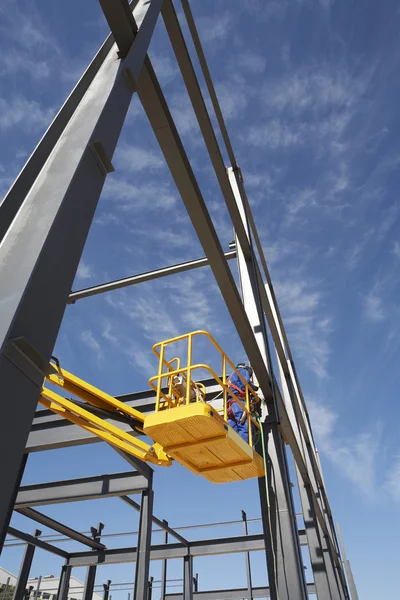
[247, 367]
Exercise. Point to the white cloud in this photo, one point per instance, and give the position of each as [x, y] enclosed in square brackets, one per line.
[373, 306]
[15, 61]
[214, 28]
[396, 249]
[133, 158]
[21, 112]
[233, 96]
[88, 338]
[132, 197]
[84, 271]
[392, 485]
[308, 328]
[275, 134]
[166, 69]
[254, 63]
[354, 458]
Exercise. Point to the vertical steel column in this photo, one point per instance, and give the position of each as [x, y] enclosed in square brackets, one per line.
[91, 571]
[284, 561]
[164, 567]
[196, 583]
[36, 593]
[4, 592]
[23, 576]
[45, 239]
[188, 577]
[63, 586]
[347, 566]
[247, 559]
[150, 594]
[144, 543]
[106, 588]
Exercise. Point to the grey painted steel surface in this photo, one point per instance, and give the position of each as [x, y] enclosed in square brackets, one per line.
[141, 588]
[160, 552]
[233, 594]
[247, 559]
[188, 577]
[106, 588]
[142, 277]
[49, 431]
[91, 571]
[162, 523]
[23, 576]
[35, 541]
[59, 527]
[87, 488]
[347, 566]
[317, 557]
[63, 586]
[164, 567]
[50, 216]
[285, 566]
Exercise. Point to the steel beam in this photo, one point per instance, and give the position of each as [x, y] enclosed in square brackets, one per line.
[163, 524]
[49, 431]
[169, 551]
[141, 589]
[60, 527]
[142, 277]
[247, 559]
[233, 594]
[20, 588]
[35, 541]
[164, 566]
[50, 219]
[106, 589]
[74, 490]
[347, 567]
[188, 577]
[285, 566]
[63, 586]
[91, 571]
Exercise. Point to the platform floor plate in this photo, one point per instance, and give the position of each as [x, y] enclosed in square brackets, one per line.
[197, 437]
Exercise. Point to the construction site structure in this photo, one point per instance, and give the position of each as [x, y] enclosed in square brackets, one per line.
[43, 228]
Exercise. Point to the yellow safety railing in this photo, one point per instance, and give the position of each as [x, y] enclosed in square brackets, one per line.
[169, 396]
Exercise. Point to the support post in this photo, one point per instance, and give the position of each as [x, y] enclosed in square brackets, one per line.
[150, 594]
[284, 561]
[188, 577]
[91, 571]
[33, 258]
[347, 566]
[37, 591]
[4, 592]
[196, 583]
[144, 544]
[247, 559]
[164, 567]
[20, 588]
[63, 586]
[106, 588]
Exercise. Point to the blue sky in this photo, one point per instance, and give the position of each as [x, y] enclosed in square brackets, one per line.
[309, 91]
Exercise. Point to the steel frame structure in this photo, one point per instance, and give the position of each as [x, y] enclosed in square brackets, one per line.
[42, 215]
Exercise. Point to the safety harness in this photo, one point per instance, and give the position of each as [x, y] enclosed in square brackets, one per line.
[240, 393]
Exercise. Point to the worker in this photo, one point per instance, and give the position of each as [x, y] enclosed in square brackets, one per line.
[237, 417]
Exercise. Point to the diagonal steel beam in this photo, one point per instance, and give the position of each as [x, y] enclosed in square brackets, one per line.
[60, 527]
[35, 541]
[142, 277]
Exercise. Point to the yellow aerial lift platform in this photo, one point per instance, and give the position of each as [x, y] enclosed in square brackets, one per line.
[184, 427]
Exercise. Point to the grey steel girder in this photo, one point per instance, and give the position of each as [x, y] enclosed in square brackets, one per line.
[234, 594]
[228, 545]
[51, 219]
[87, 488]
[37, 542]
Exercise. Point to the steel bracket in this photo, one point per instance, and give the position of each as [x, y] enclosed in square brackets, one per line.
[28, 360]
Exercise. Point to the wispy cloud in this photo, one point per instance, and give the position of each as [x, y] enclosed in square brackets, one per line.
[354, 458]
[84, 271]
[20, 111]
[252, 62]
[308, 327]
[135, 158]
[89, 339]
[392, 485]
[373, 306]
[215, 28]
[130, 196]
